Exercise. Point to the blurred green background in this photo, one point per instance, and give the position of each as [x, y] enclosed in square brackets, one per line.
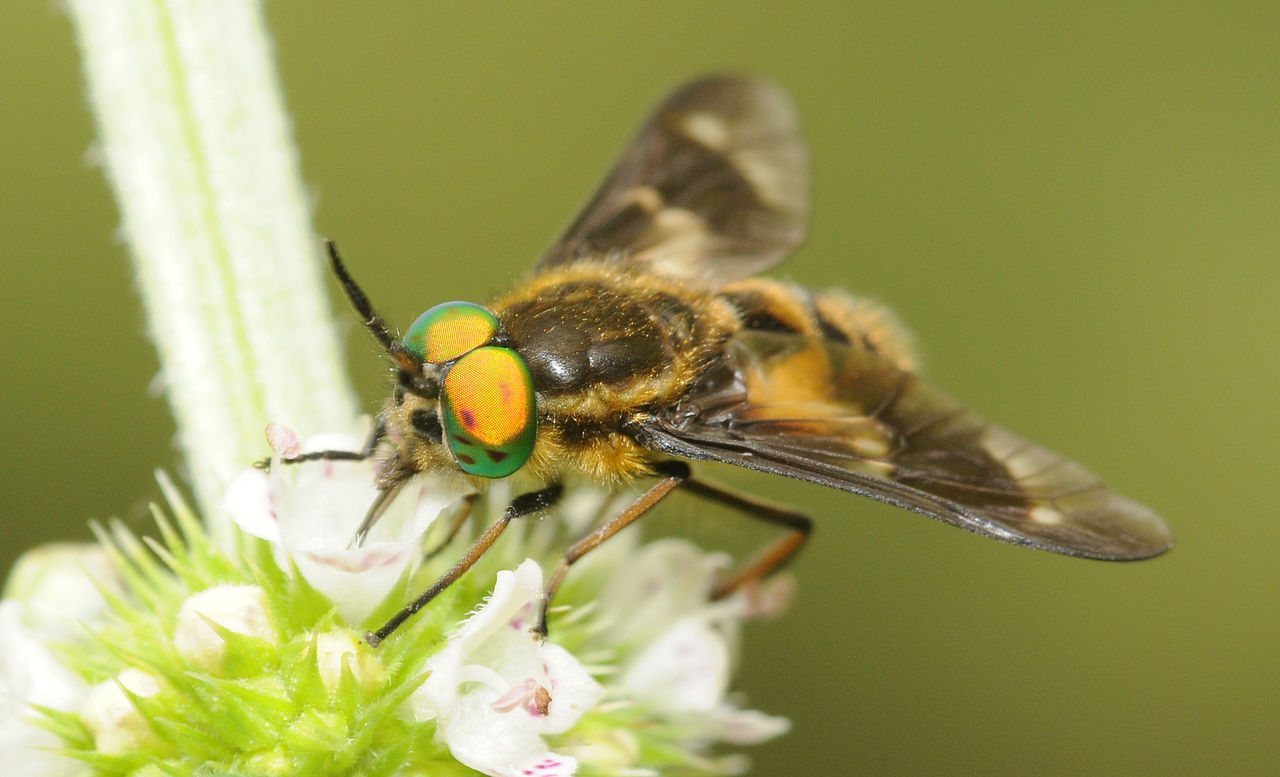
[1077, 211]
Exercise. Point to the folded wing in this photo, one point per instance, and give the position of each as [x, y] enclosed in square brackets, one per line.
[845, 418]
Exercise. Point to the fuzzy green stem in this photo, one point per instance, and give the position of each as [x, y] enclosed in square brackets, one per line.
[196, 146]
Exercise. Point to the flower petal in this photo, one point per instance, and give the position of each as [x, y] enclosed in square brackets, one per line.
[512, 592]
[29, 672]
[687, 668]
[248, 502]
[495, 688]
[310, 512]
[660, 582]
[500, 744]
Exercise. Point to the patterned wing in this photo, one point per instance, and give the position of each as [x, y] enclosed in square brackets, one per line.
[842, 416]
[713, 188]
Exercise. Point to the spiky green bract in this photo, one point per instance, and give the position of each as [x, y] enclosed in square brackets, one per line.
[269, 706]
[214, 662]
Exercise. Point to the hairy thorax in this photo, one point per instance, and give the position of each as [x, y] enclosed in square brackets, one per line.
[602, 345]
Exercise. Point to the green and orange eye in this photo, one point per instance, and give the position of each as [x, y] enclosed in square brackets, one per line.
[450, 330]
[489, 412]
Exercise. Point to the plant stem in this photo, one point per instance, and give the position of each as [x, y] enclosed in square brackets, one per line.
[196, 146]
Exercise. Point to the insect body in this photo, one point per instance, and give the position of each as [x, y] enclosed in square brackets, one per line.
[642, 341]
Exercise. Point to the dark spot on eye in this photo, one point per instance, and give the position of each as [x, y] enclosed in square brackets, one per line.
[468, 417]
[495, 456]
[463, 439]
[427, 424]
[465, 459]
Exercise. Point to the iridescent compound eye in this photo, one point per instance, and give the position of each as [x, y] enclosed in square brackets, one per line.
[489, 412]
[450, 330]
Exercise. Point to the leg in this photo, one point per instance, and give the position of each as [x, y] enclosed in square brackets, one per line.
[521, 506]
[459, 518]
[772, 556]
[322, 456]
[370, 445]
[380, 504]
[385, 494]
[674, 473]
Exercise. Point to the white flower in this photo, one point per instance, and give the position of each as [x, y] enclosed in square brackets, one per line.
[61, 586]
[310, 512]
[30, 674]
[685, 673]
[681, 646]
[650, 586]
[495, 689]
[51, 592]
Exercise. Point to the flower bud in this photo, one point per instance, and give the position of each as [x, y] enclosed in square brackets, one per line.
[238, 608]
[336, 648]
[110, 715]
[60, 585]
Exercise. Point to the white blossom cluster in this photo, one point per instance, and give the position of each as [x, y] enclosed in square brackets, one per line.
[638, 662]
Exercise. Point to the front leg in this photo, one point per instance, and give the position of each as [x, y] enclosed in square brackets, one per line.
[520, 507]
[376, 436]
[386, 492]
